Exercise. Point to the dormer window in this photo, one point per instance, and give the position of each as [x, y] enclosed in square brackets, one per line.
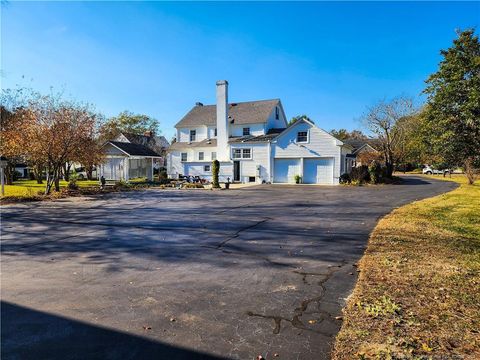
[193, 135]
[277, 113]
[302, 136]
[246, 131]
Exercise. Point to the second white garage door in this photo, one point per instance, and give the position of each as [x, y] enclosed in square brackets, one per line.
[285, 170]
[318, 171]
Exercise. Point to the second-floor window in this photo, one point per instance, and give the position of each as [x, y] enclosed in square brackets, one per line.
[214, 155]
[184, 156]
[193, 135]
[277, 115]
[215, 132]
[246, 131]
[200, 155]
[302, 136]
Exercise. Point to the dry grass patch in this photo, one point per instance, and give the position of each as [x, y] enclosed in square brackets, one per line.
[418, 293]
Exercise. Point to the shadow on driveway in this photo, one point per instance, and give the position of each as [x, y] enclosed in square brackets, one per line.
[47, 336]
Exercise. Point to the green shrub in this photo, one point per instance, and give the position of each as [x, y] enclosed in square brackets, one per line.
[298, 179]
[193, 186]
[376, 172]
[162, 173]
[72, 182]
[345, 178]
[360, 174]
[215, 172]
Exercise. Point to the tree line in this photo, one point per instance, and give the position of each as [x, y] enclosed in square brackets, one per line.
[50, 133]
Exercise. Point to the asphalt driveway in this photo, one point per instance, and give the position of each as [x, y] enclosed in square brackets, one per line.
[188, 274]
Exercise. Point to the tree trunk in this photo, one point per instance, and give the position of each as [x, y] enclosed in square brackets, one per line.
[9, 169]
[470, 171]
[89, 171]
[57, 180]
[37, 172]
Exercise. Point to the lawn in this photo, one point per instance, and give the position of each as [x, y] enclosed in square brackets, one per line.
[418, 293]
[30, 188]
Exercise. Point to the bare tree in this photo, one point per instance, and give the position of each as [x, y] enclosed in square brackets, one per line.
[384, 120]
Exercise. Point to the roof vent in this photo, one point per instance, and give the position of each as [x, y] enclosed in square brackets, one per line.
[198, 103]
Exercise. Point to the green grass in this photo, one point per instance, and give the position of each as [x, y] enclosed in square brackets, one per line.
[424, 258]
[30, 188]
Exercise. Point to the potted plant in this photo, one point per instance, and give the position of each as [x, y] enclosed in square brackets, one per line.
[298, 179]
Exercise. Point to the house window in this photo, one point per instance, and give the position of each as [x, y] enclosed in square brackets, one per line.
[206, 168]
[184, 156]
[214, 155]
[200, 155]
[215, 132]
[193, 135]
[302, 136]
[242, 153]
[251, 179]
[277, 115]
[246, 131]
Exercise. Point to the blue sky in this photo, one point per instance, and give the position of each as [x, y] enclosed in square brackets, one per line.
[327, 60]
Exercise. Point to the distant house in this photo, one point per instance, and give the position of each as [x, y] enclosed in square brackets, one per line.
[365, 150]
[131, 156]
[253, 143]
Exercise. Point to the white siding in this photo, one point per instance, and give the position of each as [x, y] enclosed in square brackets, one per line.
[260, 158]
[255, 129]
[183, 134]
[320, 144]
[273, 123]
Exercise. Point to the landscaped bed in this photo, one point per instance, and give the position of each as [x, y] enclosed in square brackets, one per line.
[418, 293]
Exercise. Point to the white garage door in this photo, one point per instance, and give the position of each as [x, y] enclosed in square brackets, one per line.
[285, 170]
[318, 171]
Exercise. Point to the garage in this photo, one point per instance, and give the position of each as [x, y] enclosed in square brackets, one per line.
[285, 170]
[318, 171]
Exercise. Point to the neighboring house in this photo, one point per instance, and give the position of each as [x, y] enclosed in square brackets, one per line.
[365, 150]
[23, 170]
[132, 156]
[252, 142]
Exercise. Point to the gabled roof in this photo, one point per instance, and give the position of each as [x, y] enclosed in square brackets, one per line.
[249, 112]
[358, 144]
[134, 149]
[271, 134]
[150, 141]
[189, 145]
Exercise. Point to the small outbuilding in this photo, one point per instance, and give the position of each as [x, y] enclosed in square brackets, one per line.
[127, 160]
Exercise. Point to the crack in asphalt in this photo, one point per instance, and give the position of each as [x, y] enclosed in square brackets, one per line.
[295, 321]
[237, 233]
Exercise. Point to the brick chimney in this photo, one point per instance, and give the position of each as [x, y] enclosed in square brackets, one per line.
[222, 121]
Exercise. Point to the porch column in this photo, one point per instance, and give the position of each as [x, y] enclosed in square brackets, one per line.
[126, 169]
[150, 175]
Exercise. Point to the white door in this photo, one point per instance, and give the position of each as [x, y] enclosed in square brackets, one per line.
[285, 170]
[318, 171]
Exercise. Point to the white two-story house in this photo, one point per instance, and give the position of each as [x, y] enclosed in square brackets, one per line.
[253, 143]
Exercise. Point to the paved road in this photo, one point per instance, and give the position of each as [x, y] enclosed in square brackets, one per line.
[188, 274]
